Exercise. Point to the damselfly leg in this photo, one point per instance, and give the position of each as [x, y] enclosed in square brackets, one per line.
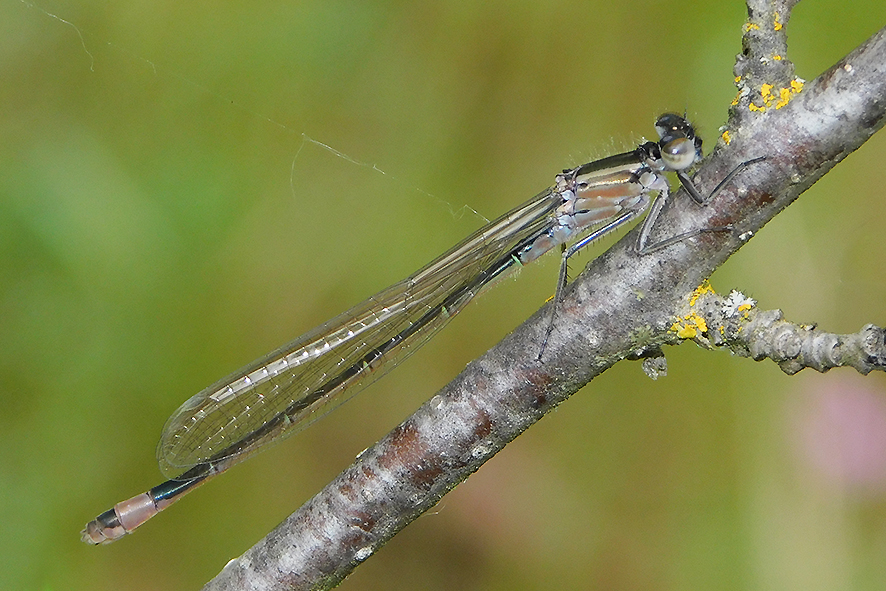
[643, 248]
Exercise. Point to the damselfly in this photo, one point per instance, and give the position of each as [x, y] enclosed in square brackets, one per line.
[289, 388]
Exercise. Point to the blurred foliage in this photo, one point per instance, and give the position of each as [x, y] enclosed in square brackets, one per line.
[169, 212]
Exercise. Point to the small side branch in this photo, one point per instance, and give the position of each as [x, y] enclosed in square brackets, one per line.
[734, 322]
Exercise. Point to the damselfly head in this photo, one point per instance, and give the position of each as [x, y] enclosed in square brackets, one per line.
[680, 147]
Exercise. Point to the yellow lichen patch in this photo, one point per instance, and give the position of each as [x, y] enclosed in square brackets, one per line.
[750, 27]
[690, 326]
[784, 98]
[702, 289]
[777, 25]
[726, 137]
[776, 99]
[745, 308]
[687, 332]
[699, 322]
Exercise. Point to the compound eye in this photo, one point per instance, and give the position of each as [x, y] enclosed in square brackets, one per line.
[679, 154]
[670, 123]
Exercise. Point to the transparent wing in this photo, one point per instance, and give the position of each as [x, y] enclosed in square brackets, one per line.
[288, 389]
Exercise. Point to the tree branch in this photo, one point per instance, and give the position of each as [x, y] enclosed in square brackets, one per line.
[622, 307]
[735, 323]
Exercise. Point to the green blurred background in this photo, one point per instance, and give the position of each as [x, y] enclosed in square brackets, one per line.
[166, 217]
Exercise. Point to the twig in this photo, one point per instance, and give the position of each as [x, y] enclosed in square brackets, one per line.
[734, 322]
